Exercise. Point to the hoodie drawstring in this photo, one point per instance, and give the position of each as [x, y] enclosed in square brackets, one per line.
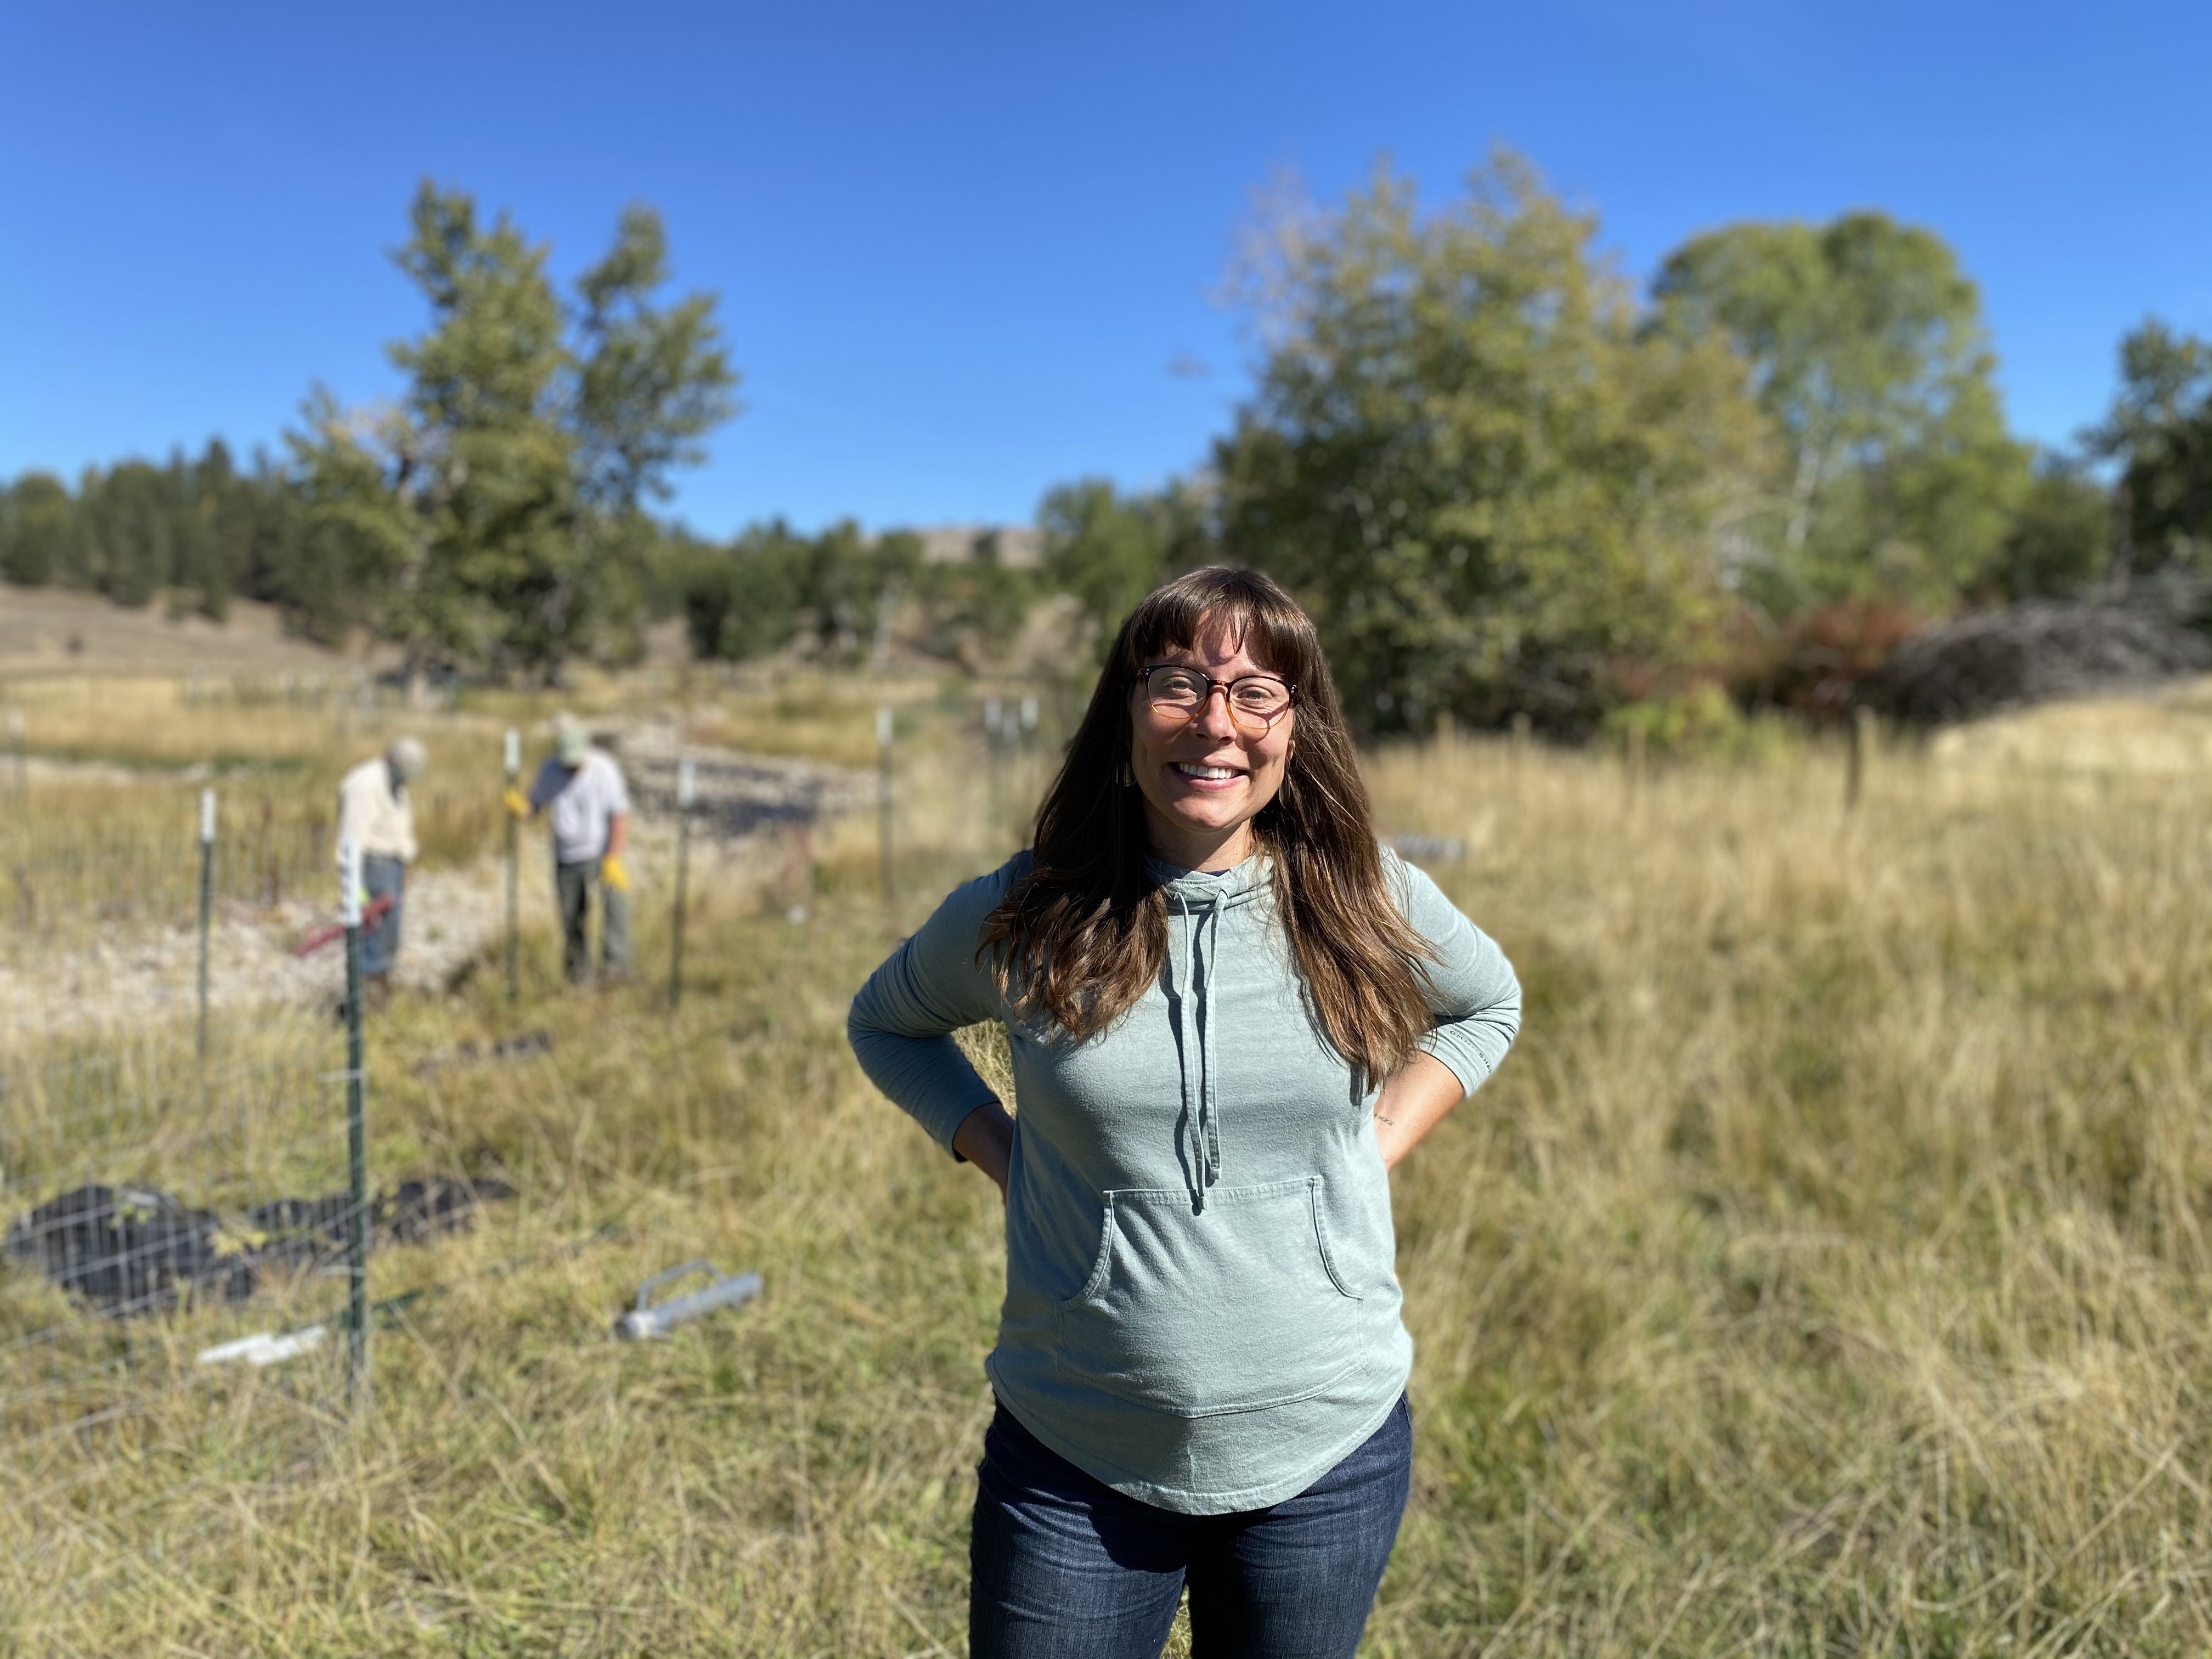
[1195, 972]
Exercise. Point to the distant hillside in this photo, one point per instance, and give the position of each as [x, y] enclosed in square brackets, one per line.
[51, 631]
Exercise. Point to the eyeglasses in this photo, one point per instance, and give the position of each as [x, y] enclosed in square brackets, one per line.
[1256, 702]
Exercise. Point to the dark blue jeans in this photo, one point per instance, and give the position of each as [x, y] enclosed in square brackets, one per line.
[1063, 1565]
[380, 945]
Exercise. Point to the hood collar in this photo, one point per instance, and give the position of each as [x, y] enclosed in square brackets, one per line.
[1239, 884]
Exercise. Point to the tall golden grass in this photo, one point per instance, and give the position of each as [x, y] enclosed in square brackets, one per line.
[1826, 1271]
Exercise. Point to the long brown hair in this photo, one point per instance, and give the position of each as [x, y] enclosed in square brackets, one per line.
[1079, 938]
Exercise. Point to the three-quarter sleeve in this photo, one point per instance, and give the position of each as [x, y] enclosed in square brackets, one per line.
[902, 1023]
[1472, 989]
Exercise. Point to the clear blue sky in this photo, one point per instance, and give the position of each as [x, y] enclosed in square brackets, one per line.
[959, 245]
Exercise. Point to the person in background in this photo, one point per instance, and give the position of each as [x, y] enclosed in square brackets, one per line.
[582, 794]
[376, 815]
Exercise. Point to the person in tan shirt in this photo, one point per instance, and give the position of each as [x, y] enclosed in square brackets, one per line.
[376, 814]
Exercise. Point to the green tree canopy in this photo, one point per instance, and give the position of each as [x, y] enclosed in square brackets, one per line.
[840, 591]
[36, 522]
[2061, 536]
[2161, 432]
[1494, 489]
[1866, 347]
[496, 509]
[197, 532]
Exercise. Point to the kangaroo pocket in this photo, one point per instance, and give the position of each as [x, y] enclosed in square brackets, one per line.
[1236, 1308]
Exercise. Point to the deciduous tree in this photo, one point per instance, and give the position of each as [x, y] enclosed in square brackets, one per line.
[497, 508]
[2160, 430]
[1496, 491]
[1865, 345]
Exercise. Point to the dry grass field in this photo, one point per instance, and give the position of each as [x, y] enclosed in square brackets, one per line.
[1827, 1272]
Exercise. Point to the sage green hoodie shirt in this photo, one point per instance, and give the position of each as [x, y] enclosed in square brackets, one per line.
[1201, 1309]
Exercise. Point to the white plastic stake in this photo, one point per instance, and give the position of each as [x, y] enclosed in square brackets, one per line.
[1030, 712]
[265, 1348]
[687, 785]
[884, 727]
[514, 753]
[349, 882]
[207, 817]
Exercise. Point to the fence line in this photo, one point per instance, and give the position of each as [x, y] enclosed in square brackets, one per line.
[102, 875]
[156, 1202]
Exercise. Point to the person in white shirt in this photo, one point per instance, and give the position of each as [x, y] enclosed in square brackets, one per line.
[585, 800]
[376, 815]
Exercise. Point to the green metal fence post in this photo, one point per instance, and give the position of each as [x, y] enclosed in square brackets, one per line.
[207, 899]
[884, 732]
[687, 786]
[514, 836]
[356, 1138]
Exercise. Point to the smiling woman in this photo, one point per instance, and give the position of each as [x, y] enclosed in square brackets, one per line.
[1229, 1016]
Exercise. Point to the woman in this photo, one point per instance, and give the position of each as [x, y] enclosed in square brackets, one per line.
[1206, 968]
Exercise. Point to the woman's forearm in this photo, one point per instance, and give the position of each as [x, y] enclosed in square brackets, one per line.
[1414, 1102]
[986, 1138]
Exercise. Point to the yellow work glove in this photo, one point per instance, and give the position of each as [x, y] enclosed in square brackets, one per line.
[613, 873]
[515, 802]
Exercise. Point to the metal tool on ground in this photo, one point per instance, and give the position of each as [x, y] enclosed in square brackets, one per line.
[650, 1319]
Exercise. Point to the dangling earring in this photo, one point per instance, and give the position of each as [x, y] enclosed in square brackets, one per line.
[1128, 777]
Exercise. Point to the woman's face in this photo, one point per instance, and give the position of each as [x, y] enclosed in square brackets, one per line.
[1204, 775]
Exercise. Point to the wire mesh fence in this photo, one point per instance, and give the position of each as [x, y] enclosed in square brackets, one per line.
[63, 883]
[158, 1205]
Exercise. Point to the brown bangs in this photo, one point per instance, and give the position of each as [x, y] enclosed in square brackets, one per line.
[1251, 612]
